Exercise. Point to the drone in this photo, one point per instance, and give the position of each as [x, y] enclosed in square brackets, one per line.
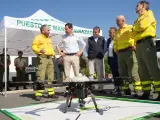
[81, 90]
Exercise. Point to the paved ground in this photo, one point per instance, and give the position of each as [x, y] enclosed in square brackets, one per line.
[26, 98]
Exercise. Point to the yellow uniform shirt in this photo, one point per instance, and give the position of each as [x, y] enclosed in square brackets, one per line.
[124, 38]
[145, 26]
[42, 42]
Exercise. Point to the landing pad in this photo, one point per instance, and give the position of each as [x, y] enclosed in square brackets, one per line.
[110, 109]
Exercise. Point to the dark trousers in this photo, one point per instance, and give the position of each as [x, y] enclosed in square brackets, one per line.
[147, 61]
[20, 77]
[112, 61]
[2, 70]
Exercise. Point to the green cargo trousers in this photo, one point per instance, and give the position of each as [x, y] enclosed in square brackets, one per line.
[128, 69]
[45, 67]
[147, 61]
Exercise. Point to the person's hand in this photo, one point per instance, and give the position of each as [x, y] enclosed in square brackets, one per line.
[20, 68]
[54, 57]
[117, 52]
[60, 60]
[42, 51]
[133, 48]
[78, 53]
[62, 54]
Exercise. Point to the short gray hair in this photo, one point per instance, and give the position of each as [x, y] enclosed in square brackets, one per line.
[42, 27]
[97, 28]
[113, 28]
[144, 3]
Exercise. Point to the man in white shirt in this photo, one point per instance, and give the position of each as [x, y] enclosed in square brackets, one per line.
[71, 51]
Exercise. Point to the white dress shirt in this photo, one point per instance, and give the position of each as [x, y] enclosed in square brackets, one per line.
[110, 49]
[96, 39]
[71, 43]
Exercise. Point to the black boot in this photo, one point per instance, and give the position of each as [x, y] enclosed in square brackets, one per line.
[52, 96]
[145, 95]
[17, 88]
[24, 87]
[8, 89]
[1, 86]
[127, 92]
[158, 98]
[1, 89]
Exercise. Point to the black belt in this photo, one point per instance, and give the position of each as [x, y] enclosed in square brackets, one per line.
[143, 39]
[70, 54]
[45, 56]
[125, 49]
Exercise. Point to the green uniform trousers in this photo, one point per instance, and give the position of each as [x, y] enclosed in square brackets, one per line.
[147, 61]
[45, 67]
[128, 69]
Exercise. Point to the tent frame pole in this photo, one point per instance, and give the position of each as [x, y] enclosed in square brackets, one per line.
[5, 58]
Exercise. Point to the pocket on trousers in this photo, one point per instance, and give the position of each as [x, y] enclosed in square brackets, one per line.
[152, 43]
[39, 60]
[77, 57]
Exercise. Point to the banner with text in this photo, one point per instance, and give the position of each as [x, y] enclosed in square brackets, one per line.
[35, 25]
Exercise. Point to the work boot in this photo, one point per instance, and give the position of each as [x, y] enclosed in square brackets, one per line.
[38, 98]
[52, 96]
[145, 95]
[127, 92]
[24, 87]
[17, 88]
[138, 93]
[1, 89]
[116, 89]
[157, 98]
[8, 89]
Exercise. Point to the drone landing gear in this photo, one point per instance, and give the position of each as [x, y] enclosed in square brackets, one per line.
[70, 95]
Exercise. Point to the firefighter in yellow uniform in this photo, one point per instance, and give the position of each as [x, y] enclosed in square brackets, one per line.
[145, 32]
[125, 48]
[42, 46]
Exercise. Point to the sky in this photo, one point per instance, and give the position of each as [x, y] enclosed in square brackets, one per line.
[82, 13]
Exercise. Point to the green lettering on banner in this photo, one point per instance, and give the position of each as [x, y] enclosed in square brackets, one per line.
[31, 24]
[52, 27]
[19, 22]
[27, 23]
[45, 19]
[39, 25]
[49, 26]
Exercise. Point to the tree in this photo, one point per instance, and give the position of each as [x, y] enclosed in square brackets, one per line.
[107, 67]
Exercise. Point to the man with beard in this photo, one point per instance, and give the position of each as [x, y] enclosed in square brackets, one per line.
[42, 46]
